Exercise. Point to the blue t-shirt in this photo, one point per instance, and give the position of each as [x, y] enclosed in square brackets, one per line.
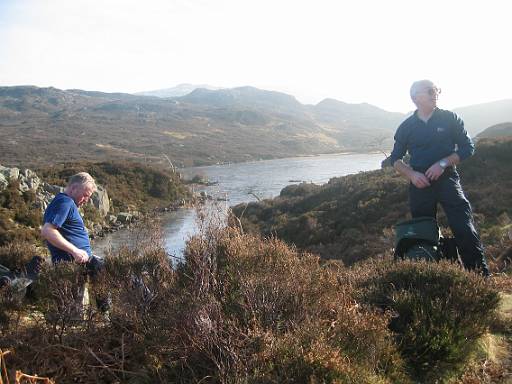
[63, 213]
[427, 143]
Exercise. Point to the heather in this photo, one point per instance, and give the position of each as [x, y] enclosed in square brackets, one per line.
[246, 309]
[351, 218]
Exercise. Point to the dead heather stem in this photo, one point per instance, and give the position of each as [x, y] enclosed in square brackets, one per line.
[20, 377]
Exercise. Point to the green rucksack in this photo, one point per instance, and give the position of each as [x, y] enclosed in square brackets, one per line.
[418, 239]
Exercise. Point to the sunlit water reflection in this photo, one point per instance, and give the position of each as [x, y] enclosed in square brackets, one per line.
[241, 183]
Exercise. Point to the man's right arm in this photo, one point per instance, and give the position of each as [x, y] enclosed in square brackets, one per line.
[53, 236]
[399, 150]
[417, 178]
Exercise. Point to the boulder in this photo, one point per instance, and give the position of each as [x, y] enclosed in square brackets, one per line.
[124, 217]
[52, 189]
[10, 173]
[101, 201]
[112, 219]
[23, 187]
[33, 182]
[3, 182]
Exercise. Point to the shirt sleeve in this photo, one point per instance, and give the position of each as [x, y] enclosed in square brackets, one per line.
[400, 146]
[465, 146]
[58, 213]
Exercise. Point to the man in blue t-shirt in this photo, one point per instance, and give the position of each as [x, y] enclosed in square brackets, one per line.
[437, 141]
[63, 227]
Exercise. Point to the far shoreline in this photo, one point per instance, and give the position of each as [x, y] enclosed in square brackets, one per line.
[345, 153]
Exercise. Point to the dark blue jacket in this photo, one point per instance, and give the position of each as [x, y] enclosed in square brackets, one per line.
[430, 142]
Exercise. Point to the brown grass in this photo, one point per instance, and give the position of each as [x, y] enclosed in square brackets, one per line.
[241, 309]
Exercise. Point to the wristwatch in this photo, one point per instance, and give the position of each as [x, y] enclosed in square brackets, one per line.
[444, 163]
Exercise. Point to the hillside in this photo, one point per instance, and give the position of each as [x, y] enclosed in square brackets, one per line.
[496, 131]
[132, 189]
[351, 218]
[243, 309]
[47, 125]
[481, 116]
[41, 126]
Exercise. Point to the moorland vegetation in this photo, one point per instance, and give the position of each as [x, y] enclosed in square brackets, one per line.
[48, 126]
[351, 218]
[134, 185]
[243, 309]
[131, 187]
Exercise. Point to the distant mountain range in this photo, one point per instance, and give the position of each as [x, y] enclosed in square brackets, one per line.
[177, 91]
[205, 126]
[481, 116]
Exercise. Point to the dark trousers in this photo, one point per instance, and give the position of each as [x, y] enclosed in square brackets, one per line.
[448, 192]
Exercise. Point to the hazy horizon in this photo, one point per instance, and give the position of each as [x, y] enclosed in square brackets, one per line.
[353, 51]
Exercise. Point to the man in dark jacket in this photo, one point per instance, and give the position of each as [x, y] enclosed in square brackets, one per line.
[437, 141]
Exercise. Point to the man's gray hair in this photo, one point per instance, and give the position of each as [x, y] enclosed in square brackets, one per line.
[419, 86]
[82, 178]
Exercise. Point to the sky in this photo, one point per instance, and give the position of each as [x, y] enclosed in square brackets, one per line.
[350, 50]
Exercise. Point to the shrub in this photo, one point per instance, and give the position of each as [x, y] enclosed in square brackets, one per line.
[298, 321]
[16, 255]
[16, 214]
[438, 309]
[241, 309]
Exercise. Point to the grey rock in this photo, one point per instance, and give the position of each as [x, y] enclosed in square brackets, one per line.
[23, 186]
[52, 189]
[124, 217]
[33, 182]
[112, 219]
[101, 201]
[10, 173]
[3, 182]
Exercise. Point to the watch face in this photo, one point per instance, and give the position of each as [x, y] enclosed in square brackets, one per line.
[443, 163]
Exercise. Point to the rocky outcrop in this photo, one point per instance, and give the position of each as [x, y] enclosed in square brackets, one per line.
[45, 193]
[101, 201]
[29, 181]
[124, 217]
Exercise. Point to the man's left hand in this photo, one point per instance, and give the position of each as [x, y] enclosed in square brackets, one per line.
[434, 172]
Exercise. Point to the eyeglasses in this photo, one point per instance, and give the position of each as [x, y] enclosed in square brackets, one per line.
[433, 91]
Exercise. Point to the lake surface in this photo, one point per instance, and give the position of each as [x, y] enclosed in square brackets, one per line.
[242, 183]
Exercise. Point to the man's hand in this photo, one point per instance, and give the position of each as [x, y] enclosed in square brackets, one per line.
[50, 233]
[80, 256]
[434, 172]
[419, 180]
